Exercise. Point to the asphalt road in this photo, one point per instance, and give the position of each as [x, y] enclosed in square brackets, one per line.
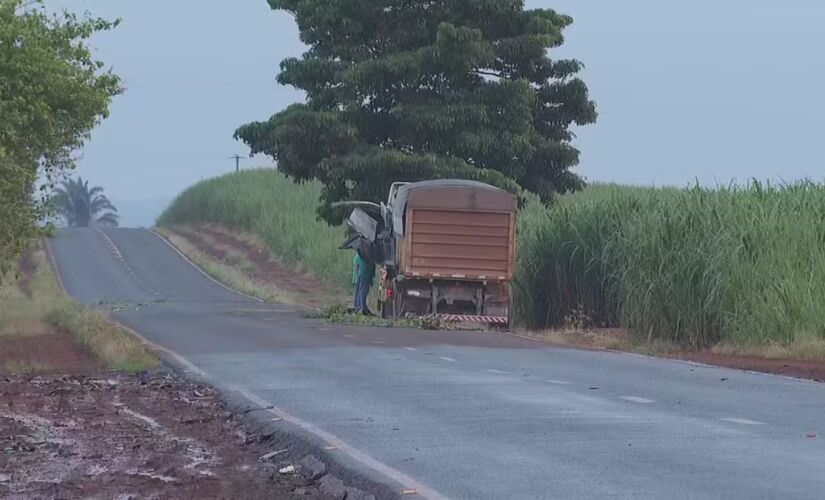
[470, 415]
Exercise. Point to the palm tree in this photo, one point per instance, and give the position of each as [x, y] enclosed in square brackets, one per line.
[80, 206]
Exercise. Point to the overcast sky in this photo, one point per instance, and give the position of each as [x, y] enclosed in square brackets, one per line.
[703, 90]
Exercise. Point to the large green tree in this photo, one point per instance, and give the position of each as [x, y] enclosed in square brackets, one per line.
[52, 93]
[405, 90]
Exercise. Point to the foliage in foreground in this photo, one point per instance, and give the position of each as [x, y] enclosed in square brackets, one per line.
[695, 267]
[52, 93]
[408, 91]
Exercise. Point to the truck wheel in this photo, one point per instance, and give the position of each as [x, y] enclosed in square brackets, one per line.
[396, 302]
[387, 309]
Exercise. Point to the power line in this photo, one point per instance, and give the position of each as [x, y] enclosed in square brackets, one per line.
[237, 159]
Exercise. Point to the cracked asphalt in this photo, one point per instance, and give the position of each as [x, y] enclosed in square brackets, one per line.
[466, 414]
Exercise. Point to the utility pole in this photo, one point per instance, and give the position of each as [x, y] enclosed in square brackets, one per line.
[237, 159]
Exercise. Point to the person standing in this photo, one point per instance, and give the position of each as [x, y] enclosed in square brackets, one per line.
[364, 271]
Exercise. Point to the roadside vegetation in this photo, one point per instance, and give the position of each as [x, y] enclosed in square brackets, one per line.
[110, 343]
[740, 269]
[282, 213]
[81, 206]
[235, 275]
[341, 314]
[43, 125]
[41, 329]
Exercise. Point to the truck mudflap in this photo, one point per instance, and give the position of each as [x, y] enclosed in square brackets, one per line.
[467, 318]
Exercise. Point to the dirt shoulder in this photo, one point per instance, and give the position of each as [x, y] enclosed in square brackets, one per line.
[117, 436]
[71, 426]
[49, 351]
[617, 339]
[812, 370]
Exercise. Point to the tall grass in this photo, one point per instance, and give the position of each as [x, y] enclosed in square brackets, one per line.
[697, 267]
[282, 213]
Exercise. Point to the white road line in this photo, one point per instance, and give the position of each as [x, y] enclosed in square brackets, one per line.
[498, 372]
[445, 358]
[411, 348]
[742, 421]
[204, 273]
[189, 366]
[406, 481]
[557, 382]
[636, 399]
[110, 243]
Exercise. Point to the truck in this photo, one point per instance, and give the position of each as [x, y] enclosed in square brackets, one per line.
[445, 249]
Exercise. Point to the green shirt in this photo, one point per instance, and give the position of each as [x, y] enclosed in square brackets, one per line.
[362, 269]
[355, 260]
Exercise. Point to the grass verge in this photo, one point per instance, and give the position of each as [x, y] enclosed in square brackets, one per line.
[110, 343]
[233, 276]
[34, 308]
[267, 204]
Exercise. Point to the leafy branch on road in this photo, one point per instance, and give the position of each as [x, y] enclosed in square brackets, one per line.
[342, 315]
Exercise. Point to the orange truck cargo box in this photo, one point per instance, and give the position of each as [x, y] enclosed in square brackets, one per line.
[464, 232]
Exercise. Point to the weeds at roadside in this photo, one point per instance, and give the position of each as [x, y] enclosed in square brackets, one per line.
[340, 314]
[48, 309]
[226, 274]
[23, 368]
[281, 213]
[107, 341]
[579, 320]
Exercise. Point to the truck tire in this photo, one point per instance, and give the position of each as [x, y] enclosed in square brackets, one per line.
[387, 309]
[396, 301]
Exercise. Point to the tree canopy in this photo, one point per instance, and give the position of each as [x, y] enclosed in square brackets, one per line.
[81, 206]
[407, 90]
[52, 94]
